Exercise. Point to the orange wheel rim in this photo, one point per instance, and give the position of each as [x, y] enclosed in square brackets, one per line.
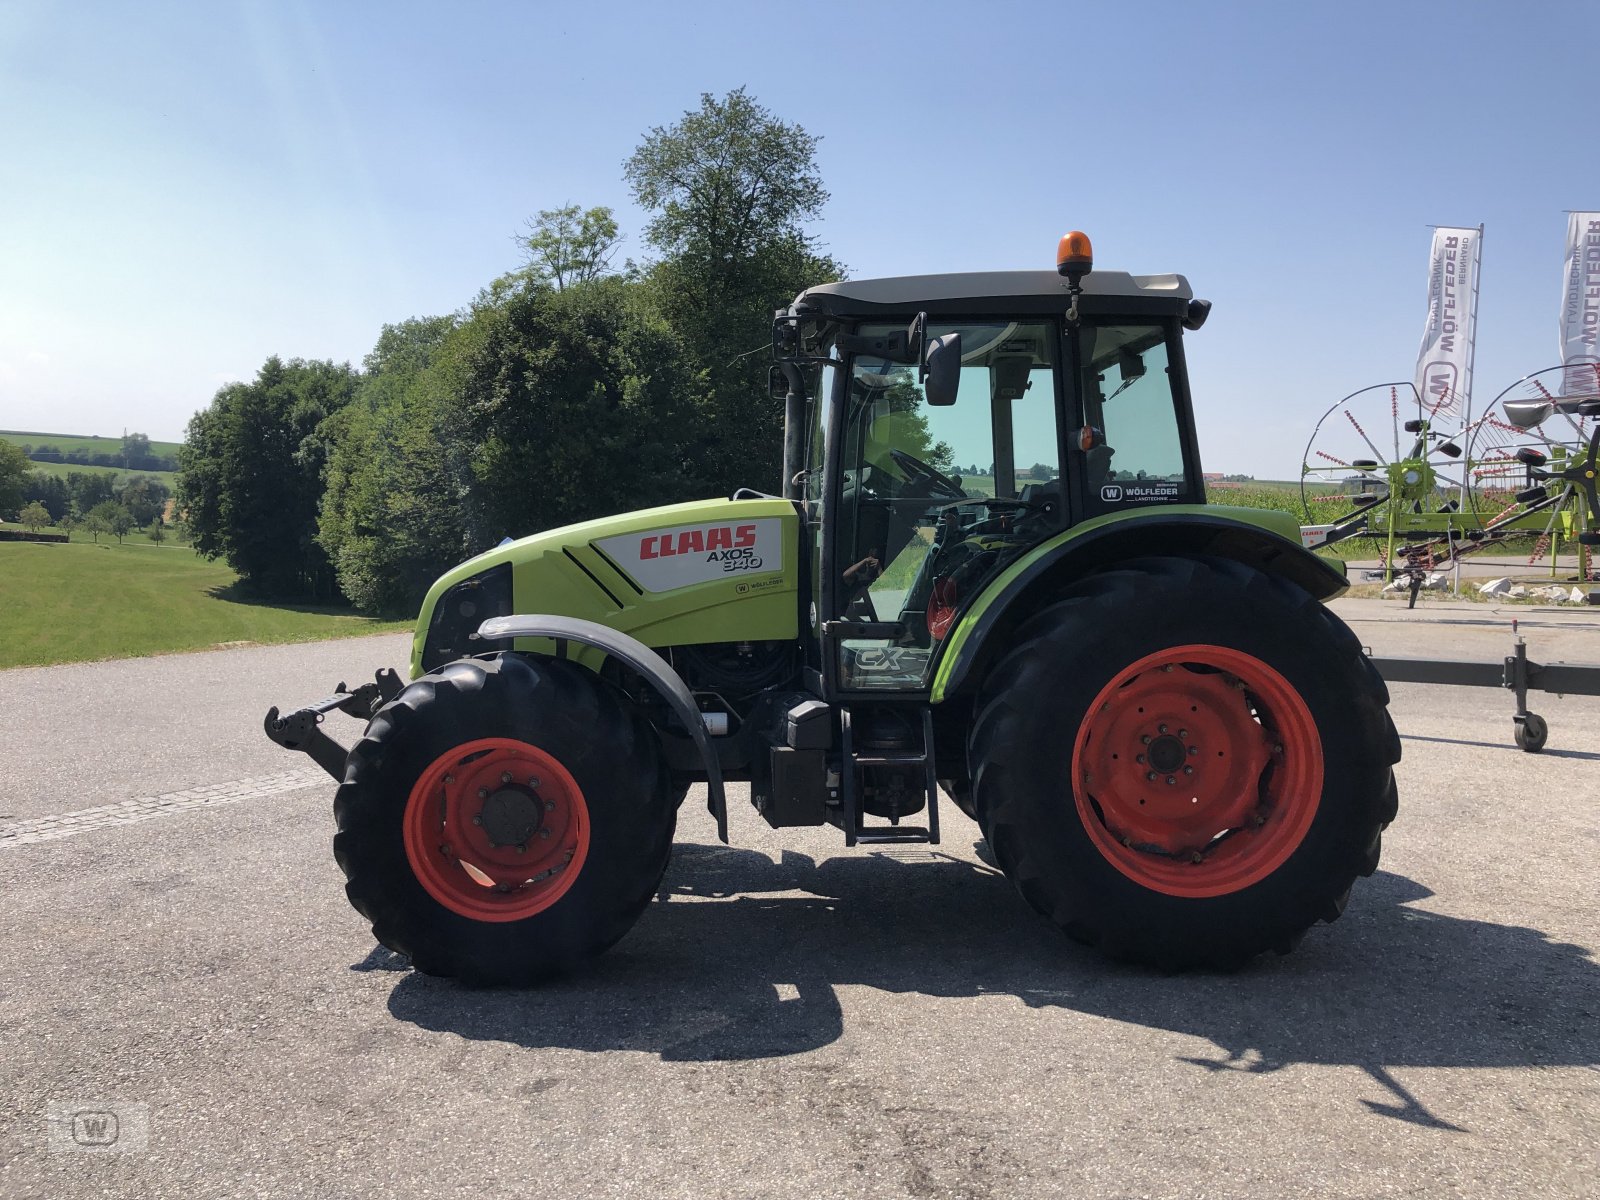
[496, 830]
[1198, 771]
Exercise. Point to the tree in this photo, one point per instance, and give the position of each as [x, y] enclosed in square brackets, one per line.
[122, 523]
[67, 524]
[135, 449]
[48, 490]
[14, 469]
[34, 517]
[145, 497]
[156, 533]
[726, 181]
[85, 489]
[251, 477]
[568, 246]
[731, 188]
[101, 518]
[592, 386]
[392, 518]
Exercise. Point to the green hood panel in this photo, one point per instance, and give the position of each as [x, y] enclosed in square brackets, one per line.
[705, 571]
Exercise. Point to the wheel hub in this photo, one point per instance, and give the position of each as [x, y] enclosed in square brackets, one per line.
[1167, 753]
[511, 816]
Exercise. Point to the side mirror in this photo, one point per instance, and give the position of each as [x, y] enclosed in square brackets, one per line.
[942, 370]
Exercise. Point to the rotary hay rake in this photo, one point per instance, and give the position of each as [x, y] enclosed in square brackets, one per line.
[1432, 485]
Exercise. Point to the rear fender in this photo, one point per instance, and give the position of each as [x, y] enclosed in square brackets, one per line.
[650, 665]
[984, 631]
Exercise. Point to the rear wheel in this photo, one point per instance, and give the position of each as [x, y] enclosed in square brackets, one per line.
[1185, 762]
[504, 819]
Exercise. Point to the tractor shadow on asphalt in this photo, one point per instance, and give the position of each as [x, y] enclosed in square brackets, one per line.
[740, 959]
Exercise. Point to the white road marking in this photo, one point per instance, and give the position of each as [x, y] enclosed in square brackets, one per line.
[148, 808]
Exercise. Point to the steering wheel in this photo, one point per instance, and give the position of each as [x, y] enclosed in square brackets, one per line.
[938, 483]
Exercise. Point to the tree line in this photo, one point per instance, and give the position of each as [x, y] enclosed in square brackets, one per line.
[136, 455]
[569, 388]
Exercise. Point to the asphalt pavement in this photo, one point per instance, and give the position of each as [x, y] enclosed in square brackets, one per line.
[789, 1018]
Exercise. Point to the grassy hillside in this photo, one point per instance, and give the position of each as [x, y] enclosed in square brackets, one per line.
[80, 602]
[65, 442]
[62, 470]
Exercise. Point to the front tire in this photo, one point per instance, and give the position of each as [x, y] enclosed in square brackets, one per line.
[1185, 762]
[504, 819]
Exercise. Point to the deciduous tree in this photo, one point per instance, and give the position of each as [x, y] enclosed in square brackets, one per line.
[34, 517]
[102, 518]
[731, 189]
[567, 246]
[251, 476]
[14, 469]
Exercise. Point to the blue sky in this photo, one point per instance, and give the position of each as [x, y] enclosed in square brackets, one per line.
[187, 188]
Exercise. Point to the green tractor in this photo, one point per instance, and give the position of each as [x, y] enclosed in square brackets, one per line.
[991, 573]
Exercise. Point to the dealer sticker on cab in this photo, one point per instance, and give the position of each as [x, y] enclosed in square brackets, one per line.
[660, 560]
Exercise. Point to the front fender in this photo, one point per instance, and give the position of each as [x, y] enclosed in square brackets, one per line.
[1248, 536]
[634, 653]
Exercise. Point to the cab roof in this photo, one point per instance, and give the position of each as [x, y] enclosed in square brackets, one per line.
[976, 293]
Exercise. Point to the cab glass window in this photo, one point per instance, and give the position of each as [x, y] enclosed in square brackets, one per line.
[935, 500]
[1127, 392]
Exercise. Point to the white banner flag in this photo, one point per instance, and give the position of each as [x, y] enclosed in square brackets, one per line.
[1580, 304]
[1444, 364]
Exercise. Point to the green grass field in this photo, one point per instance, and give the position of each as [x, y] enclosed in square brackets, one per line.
[62, 470]
[81, 602]
[89, 445]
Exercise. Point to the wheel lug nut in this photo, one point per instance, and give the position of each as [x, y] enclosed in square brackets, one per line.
[522, 849]
[483, 793]
[449, 778]
[1161, 728]
[505, 777]
[1188, 770]
[549, 806]
[477, 818]
[533, 781]
[544, 833]
[1183, 733]
[1194, 749]
[1150, 775]
[1144, 739]
[1138, 758]
[1171, 779]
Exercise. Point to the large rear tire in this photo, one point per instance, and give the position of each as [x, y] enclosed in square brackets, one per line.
[504, 819]
[1185, 762]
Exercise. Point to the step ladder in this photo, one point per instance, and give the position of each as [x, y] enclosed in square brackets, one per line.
[855, 829]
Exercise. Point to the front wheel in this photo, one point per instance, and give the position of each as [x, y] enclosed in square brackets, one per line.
[1185, 762]
[504, 819]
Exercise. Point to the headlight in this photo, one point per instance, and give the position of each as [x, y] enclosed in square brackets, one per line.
[459, 613]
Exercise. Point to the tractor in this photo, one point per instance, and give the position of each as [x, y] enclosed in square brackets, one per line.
[990, 574]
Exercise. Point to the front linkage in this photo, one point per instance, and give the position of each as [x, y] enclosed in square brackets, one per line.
[301, 730]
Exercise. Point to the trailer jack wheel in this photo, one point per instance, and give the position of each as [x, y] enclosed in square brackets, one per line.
[1532, 732]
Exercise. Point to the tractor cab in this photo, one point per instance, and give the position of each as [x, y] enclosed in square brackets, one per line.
[941, 426]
